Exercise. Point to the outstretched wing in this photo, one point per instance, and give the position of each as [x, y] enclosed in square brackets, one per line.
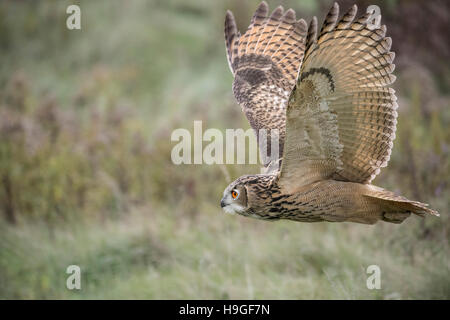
[265, 63]
[341, 117]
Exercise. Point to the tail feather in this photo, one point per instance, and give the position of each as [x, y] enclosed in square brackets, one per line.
[396, 207]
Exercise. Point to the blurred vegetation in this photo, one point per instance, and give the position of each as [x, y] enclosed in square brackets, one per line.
[86, 176]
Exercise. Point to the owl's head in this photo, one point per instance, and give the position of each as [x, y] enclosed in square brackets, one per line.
[234, 198]
[247, 194]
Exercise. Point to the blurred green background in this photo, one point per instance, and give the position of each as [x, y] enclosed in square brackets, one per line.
[86, 177]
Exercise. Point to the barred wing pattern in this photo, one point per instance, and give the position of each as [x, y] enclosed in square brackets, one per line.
[265, 63]
[341, 116]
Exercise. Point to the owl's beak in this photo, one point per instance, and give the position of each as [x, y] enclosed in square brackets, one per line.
[228, 207]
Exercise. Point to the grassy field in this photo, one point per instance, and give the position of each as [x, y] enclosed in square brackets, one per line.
[86, 177]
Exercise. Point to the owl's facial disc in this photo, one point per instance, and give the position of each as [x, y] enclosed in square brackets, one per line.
[234, 199]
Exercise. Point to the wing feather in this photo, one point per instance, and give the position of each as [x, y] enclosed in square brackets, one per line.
[265, 62]
[341, 116]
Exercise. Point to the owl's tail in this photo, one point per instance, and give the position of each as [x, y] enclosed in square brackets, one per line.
[397, 208]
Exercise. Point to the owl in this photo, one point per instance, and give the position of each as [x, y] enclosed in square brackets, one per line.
[326, 98]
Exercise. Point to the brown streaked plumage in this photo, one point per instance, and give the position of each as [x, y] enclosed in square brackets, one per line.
[265, 63]
[329, 95]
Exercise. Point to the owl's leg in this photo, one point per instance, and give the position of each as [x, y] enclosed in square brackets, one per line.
[395, 217]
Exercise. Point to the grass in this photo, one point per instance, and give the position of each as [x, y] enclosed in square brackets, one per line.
[156, 255]
[86, 177]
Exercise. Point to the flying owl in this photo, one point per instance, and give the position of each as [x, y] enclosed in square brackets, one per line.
[326, 96]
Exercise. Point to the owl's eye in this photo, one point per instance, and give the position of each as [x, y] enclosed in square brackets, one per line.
[235, 194]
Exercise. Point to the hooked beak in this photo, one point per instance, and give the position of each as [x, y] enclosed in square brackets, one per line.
[228, 207]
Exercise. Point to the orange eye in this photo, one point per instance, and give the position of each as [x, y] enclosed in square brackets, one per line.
[235, 194]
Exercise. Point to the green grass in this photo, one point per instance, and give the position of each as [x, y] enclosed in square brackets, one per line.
[158, 255]
[86, 177]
